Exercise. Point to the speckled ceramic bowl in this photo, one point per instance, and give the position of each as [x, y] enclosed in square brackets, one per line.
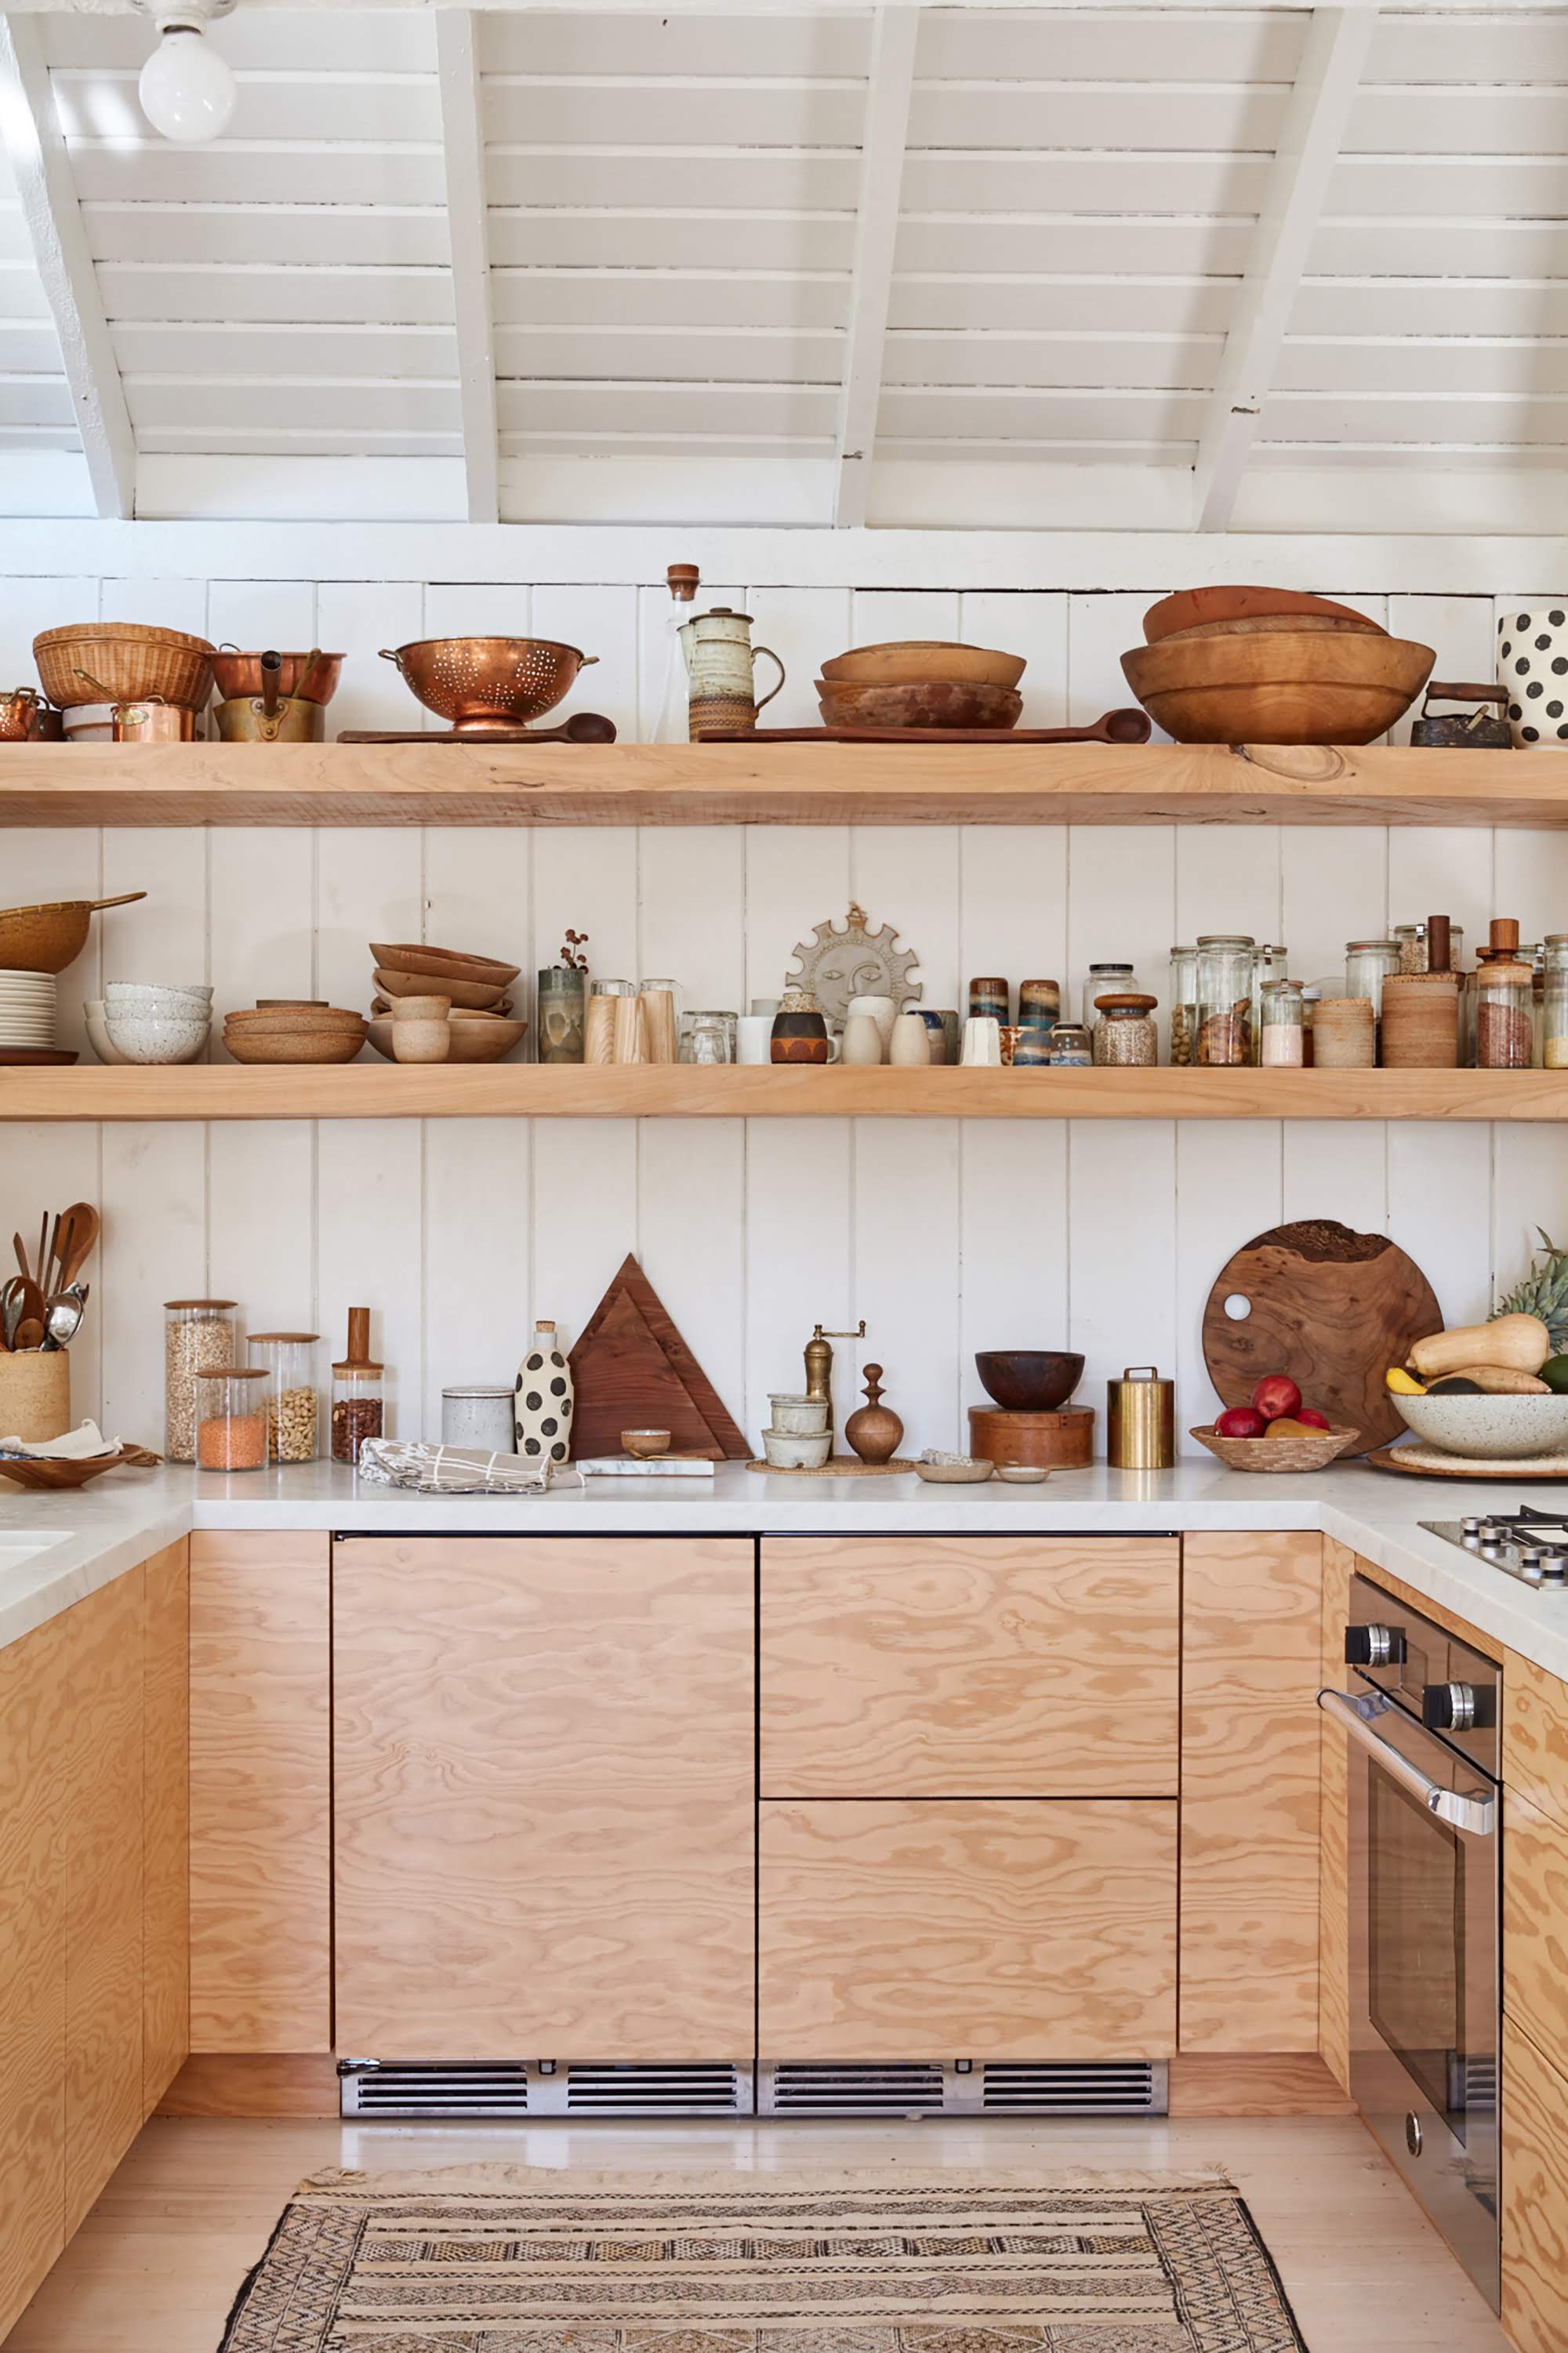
[144, 1037]
[1501, 1429]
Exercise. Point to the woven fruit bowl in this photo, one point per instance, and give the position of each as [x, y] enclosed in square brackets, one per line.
[1314, 1453]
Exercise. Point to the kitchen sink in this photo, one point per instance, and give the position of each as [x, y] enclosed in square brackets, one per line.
[17, 1544]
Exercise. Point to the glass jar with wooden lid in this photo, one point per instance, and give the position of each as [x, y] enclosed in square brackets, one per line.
[231, 1418]
[198, 1334]
[1125, 1035]
[358, 1393]
[293, 1401]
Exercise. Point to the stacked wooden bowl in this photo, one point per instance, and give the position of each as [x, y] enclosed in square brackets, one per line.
[1271, 666]
[474, 985]
[287, 1030]
[921, 683]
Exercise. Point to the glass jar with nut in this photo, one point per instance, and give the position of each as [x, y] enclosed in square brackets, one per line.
[293, 1399]
[198, 1336]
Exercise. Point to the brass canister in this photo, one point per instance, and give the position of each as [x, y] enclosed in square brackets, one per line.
[1140, 1421]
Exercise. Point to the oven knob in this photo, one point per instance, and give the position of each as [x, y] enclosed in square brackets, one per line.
[1554, 1568]
[1374, 1646]
[1470, 1525]
[1455, 1707]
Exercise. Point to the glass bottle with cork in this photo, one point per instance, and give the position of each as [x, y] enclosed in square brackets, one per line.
[358, 1409]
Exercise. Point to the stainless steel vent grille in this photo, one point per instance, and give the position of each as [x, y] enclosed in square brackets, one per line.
[933, 2087]
[536, 2089]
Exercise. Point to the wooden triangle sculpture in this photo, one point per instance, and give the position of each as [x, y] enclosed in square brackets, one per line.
[634, 1371]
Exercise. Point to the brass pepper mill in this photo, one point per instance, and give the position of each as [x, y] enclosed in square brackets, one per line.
[819, 1363]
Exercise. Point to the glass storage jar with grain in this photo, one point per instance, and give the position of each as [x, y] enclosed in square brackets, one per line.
[1184, 1006]
[1554, 1009]
[1224, 1000]
[197, 1335]
[231, 1419]
[1268, 963]
[358, 1400]
[1282, 1029]
[1368, 964]
[293, 1401]
[1125, 1035]
[1106, 980]
[1505, 1024]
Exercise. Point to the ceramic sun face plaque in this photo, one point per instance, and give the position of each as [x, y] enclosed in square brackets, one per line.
[842, 961]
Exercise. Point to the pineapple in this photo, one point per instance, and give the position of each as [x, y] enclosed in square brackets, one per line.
[1544, 1293]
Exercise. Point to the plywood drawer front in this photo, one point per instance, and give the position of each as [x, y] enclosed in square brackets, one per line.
[1534, 2197]
[260, 1793]
[988, 1666]
[545, 1791]
[165, 1814]
[1535, 1736]
[1021, 1929]
[1535, 1922]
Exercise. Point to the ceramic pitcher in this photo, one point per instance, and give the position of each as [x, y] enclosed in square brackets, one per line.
[720, 656]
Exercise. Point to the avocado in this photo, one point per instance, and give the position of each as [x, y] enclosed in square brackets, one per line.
[1455, 1386]
[1554, 1373]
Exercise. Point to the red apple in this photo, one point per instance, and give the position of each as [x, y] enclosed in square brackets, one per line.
[1312, 1418]
[1276, 1395]
[1239, 1422]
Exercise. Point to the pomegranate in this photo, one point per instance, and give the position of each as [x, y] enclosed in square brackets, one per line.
[1276, 1395]
[1240, 1423]
[1312, 1418]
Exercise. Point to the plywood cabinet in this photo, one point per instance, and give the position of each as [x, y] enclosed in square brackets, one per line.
[545, 1788]
[261, 1827]
[982, 1666]
[1534, 2203]
[166, 1809]
[919, 1929]
[1333, 1874]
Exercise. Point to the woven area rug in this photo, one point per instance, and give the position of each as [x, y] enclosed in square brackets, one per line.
[501, 2259]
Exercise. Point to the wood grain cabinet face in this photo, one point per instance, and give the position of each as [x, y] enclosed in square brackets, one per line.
[1025, 1929]
[166, 1815]
[1534, 2197]
[1535, 1736]
[1535, 1923]
[988, 1666]
[260, 1793]
[545, 1788]
[35, 1708]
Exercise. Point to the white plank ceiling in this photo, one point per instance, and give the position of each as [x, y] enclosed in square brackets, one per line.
[670, 211]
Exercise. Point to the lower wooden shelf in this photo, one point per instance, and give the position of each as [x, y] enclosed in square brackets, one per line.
[530, 1091]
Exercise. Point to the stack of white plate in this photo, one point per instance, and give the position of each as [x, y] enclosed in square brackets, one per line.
[27, 1008]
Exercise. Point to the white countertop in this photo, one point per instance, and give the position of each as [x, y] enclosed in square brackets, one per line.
[56, 1549]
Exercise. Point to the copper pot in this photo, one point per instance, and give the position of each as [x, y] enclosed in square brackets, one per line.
[16, 714]
[312, 677]
[148, 720]
[486, 686]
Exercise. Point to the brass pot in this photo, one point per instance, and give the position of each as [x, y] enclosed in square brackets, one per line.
[488, 686]
[244, 719]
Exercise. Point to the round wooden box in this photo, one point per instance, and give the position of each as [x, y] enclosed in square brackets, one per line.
[1058, 1441]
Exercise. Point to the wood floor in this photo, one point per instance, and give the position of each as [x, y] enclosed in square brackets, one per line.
[156, 2264]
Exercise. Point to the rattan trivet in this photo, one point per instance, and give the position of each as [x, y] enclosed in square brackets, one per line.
[840, 1466]
[1431, 1463]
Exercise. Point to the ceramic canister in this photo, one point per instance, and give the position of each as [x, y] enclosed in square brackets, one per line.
[799, 1030]
[936, 1030]
[862, 1041]
[1039, 1004]
[882, 1011]
[753, 1036]
[1532, 666]
[988, 995]
[911, 1048]
[1033, 1050]
[983, 1042]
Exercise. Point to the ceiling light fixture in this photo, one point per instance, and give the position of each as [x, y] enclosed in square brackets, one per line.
[187, 90]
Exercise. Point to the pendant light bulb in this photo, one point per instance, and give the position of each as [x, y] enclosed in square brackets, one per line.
[187, 90]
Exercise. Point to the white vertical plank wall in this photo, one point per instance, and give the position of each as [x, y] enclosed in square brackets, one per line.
[947, 1238]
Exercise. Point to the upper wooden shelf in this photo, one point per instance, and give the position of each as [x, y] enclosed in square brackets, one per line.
[786, 783]
[526, 1090]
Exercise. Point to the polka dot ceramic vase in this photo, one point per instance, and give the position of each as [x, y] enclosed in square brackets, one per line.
[1532, 667]
[541, 1411]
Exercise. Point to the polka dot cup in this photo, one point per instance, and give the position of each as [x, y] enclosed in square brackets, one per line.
[1532, 669]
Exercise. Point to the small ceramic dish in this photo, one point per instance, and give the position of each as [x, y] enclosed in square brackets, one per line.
[150, 995]
[97, 1036]
[645, 1443]
[800, 1416]
[959, 1471]
[785, 1451]
[147, 1038]
[1023, 1475]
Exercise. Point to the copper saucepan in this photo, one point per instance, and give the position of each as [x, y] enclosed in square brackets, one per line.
[487, 685]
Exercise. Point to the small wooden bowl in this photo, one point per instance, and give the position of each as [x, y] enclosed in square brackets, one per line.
[49, 1474]
[645, 1444]
[922, 661]
[933, 703]
[472, 996]
[1276, 1453]
[339, 1045]
[443, 964]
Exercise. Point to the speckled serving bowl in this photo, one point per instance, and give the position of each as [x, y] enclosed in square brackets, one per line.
[141, 1037]
[1499, 1428]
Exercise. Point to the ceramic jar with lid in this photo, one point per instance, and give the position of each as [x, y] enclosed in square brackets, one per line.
[292, 1402]
[800, 1031]
[1071, 1048]
[478, 1416]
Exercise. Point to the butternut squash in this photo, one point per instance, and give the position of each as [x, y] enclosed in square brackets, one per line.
[1519, 1343]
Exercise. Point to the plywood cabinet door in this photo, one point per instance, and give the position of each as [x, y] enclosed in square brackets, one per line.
[969, 1667]
[36, 1709]
[103, 2102]
[545, 1789]
[1535, 1736]
[166, 1817]
[1042, 1929]
[1534, 2201]
[260, 1793]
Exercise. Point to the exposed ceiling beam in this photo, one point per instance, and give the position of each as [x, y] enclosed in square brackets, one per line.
[888, 95]
[1332, 59]
[30, 132]
[467, 226]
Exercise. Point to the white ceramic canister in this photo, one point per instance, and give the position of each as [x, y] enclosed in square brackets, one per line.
[983, 1042]
[882, 1011]
[910, 1047]
[754, 1037]
[542, 1404]
[862, 1042]
[1532, 669]
[798, 1417]
[478, 1416]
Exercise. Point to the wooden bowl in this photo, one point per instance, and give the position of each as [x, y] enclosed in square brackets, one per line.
[936, 703]
[1313, 1453]
[476, 1037]
[1028, 1380]
[296, 1045]
[50, 938]
[471, 996]
[1288, 689]
[293, 1016]
[645, 1444]
[921, 661]
[129, 661]
[1274, 625]
[52, 1474]
[1188, 607]
[443, 964]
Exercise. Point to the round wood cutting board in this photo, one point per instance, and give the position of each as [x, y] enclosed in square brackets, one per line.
[1330, 1307]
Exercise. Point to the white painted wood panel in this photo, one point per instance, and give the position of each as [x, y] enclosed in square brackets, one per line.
[153, 1248]
[370, 1234]
[1229, 1187]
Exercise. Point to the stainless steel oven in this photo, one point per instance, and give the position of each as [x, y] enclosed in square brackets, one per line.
[1421, 1711]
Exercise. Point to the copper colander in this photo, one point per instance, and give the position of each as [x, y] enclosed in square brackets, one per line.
[484, 685]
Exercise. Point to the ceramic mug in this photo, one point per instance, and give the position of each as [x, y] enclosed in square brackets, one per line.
[1532, 666]
[983, 1042]
[862, 1042]
[910, 1047]
[882, 1011]
[936, 1031]
[753, 1037]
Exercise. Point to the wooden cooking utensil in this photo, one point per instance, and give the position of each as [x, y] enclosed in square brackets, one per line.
[79, 1224]
[29, 1327]
[1331, 1308]
[20, 1248]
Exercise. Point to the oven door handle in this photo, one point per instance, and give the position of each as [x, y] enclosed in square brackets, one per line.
[1477, 1817]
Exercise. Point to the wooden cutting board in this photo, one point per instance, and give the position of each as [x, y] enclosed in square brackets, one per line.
[1330, 1307]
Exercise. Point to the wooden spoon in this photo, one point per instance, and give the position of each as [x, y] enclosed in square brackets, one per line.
[31, 1314]
[20, 1248]
[78, 1236]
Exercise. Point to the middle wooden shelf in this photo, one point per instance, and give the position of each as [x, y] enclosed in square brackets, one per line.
[228, 1090]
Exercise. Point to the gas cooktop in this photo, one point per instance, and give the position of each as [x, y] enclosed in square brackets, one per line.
[1529, 1544]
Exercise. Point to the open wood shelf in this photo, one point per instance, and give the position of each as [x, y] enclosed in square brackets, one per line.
[528, 1091]
[786, 784]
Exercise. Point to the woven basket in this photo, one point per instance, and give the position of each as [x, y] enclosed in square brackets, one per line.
[132, 664]
[1276, 1453]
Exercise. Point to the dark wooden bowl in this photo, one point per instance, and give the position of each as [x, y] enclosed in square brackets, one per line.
[1029, 1380]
